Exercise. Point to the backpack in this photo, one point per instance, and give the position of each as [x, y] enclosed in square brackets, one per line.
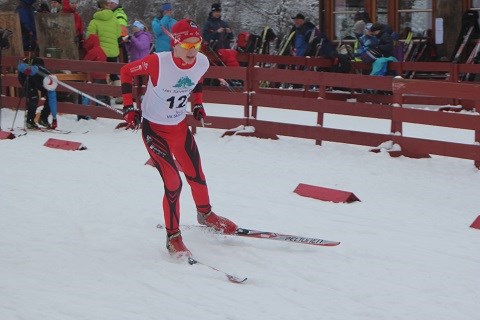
[242, 40]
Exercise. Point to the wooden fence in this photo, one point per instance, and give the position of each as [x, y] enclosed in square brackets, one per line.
[318, 92]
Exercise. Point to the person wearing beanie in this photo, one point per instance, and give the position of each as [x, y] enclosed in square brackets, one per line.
[216, 31]
[383, 33]
[164, 21]
[138, 44]
[304, 30]
[55, 6]
[173, 77]
[121, 16]
[118, 12]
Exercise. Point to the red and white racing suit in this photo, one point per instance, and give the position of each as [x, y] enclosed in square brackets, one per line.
[164, 128]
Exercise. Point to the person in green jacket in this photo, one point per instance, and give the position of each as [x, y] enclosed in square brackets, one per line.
[106, 27]
[122, 18]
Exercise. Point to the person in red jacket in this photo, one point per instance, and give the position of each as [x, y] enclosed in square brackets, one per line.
[70, 6]
[95, 53]
[173, 76]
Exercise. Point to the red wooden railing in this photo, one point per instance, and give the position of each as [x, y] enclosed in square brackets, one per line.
[319, 94]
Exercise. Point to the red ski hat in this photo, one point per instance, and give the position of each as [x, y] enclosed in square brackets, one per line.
[184, 29]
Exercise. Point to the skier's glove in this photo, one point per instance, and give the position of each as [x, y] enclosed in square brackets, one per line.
[132, 116]
[199, 112]
[27, 69]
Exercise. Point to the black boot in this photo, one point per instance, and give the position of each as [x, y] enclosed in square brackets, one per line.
[31, 124]
[44, 122]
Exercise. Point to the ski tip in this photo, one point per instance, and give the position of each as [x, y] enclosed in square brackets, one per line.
[333, 244]
[236, 280]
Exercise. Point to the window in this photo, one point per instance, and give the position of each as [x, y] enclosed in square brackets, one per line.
[382, 6]
[415, 14]
[343, 17]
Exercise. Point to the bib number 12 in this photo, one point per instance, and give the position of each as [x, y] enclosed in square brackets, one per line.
[181, 102]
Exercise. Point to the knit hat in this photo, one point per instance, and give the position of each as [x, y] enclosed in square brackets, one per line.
[114, 1]
[166, 6]
[216, 7]
[376, 26]
[139, 25]
[184, 29]
[299, 16]
[359, 26]
[73, 1]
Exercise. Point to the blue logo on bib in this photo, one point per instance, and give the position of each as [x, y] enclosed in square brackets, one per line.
[184, 82]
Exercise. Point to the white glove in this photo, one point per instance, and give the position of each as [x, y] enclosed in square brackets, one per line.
[50, 82]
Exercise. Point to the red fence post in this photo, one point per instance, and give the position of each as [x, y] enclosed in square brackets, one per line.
[248, 86]
[397, 89]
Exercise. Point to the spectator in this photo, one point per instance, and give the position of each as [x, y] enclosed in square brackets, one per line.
[216, 31]
[174, 76]
[361, 18]
[122, 18]
[138, 44]
[106, 26]
[376, 47]
[366, 50]
[26, 11]
[165, 20]
[55, 6]
[383, 33]
[95, 53]
[70, 6]
[304, 31]
[118, 12]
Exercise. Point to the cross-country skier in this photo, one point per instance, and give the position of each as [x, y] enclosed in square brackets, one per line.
[173, 76]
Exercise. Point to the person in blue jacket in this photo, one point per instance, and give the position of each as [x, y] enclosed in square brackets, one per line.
[26, 11]
[303, 34]
[165, 20]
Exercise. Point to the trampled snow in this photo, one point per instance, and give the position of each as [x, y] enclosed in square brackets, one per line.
[78, 236]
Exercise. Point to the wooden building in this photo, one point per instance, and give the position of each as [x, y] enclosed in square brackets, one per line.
[336, 17]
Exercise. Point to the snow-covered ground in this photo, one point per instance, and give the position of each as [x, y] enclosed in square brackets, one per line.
[78, 236]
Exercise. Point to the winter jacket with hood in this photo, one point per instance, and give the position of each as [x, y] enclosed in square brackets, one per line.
[106, 26]
[95, 53]
[121, 16]
[139, 45]
[162, 40]
[27, 20]
[385, 41]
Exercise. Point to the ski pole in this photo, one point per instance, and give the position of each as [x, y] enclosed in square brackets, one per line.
[83, 94]
[170, 35]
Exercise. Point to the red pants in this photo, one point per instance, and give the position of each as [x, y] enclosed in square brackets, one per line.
[163, 142]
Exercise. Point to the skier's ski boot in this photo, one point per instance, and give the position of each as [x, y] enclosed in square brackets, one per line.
[31, 124]
[44, 123]
[219, 223]
[176, 247]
